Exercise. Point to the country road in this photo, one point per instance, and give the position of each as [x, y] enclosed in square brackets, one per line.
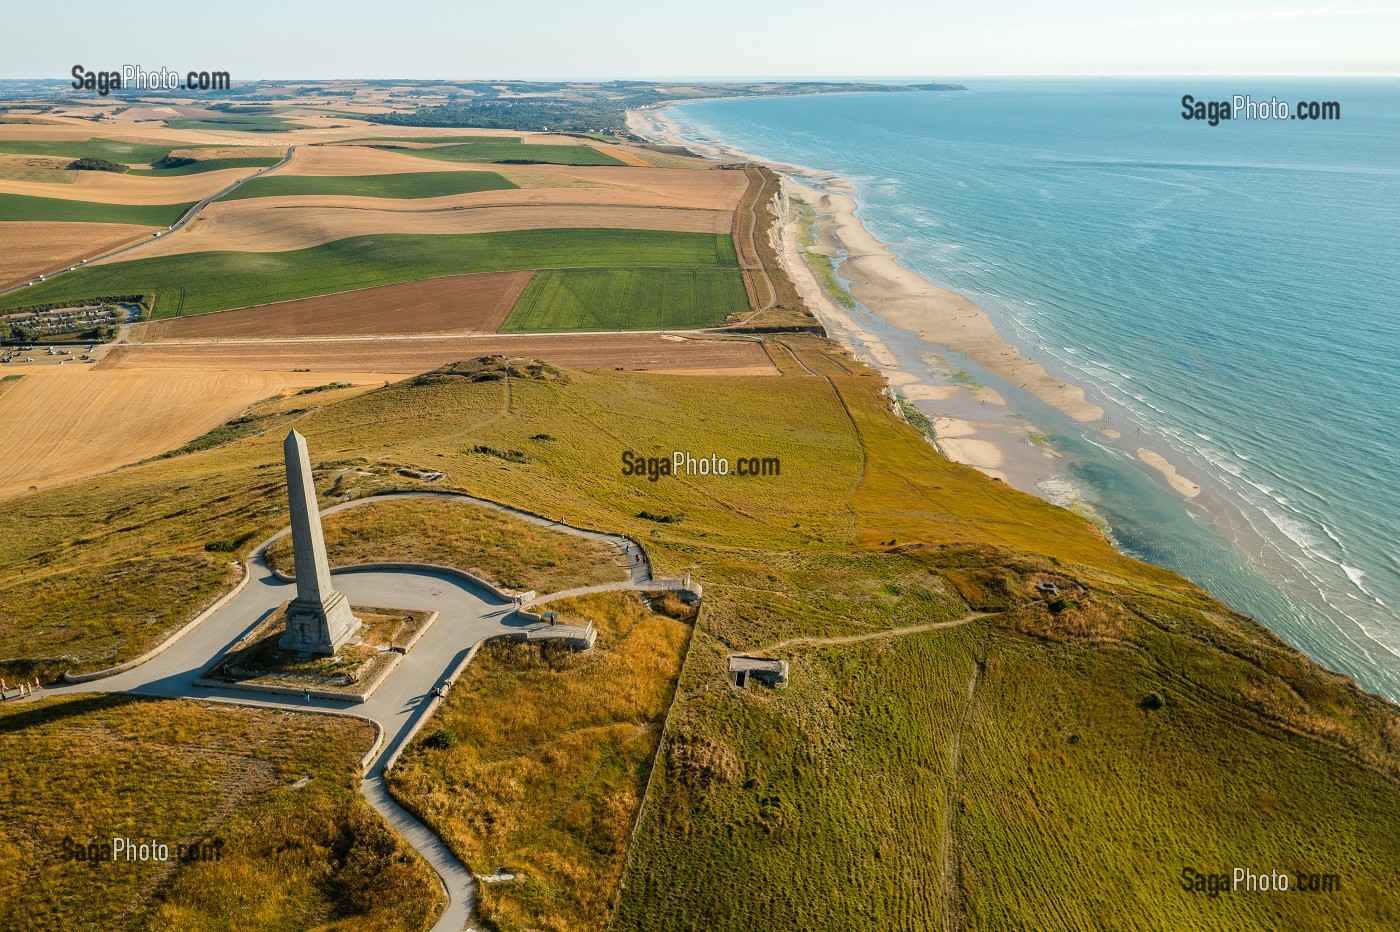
[175, 228]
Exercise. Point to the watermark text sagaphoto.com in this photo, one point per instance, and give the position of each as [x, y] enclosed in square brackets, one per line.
[1247, 880]
[136, 78]
[1244, 107]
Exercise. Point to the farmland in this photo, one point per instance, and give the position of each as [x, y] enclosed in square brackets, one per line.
[198, 282]
[627, 299]
[291, 855]
[243, 123]
[411, 355]
[282, 224]
[113, 150]
[451, 304]
[409, 185]
[208, 165]
[18, 207]
[34, 247]
[67, 423]
[507, 151]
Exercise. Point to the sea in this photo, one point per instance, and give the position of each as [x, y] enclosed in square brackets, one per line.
[1230, 294]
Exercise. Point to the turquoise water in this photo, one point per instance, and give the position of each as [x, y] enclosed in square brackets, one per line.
[1231, 295]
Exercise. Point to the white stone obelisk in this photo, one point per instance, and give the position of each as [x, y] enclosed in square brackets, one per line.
[319, 619]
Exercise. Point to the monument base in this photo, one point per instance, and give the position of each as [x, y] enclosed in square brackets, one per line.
[319, 629]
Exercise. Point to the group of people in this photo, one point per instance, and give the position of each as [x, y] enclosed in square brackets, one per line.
[21, 691]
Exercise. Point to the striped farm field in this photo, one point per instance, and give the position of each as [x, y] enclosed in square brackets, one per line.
[113, 150]
[495, 151]
[193, 283]
[411, 185]
[627, 299]
[22, 207]
[208, 165]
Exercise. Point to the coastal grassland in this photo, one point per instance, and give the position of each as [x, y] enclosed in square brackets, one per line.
[113, 150]
[84, 543]
[536, 763]
[406, 185]
[973, 738]
[815, 807]
[213, 281]
[207, 165]
[23, 207]
[91, 768]
[627, 299]
[509, 152]
[500, 548]
[918, 782]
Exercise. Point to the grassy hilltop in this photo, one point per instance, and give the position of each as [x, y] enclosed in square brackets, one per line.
[951, 753]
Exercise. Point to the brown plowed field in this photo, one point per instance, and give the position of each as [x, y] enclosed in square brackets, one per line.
[455, 304]
[411, 355]
[246, 226]
[34, 247]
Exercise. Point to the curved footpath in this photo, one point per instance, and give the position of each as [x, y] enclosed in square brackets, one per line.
[469, 613]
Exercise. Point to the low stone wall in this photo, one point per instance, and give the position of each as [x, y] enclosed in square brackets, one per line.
[334, 695]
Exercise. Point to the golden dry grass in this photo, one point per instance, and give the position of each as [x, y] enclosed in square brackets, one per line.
[549, 757]
[500, 548]
[112, 188]
[32, 248]
[71, 422]
[454, 304]
[649, 352]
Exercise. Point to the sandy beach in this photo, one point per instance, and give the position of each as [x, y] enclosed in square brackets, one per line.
[973, 423]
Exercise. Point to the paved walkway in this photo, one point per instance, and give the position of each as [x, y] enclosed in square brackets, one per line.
[467, 615]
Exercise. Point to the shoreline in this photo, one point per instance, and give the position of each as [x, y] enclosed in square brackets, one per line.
[974, 424]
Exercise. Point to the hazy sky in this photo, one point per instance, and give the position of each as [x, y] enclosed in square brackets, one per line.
[713, 38]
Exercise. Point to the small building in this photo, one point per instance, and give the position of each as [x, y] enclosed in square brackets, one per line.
[764, 670]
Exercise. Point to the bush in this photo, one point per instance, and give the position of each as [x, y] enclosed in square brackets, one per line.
[441, 740]
[97, 165]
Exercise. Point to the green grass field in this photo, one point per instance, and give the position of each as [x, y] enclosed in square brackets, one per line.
[505, 151]
[22, 207]
[461, 140]
[213, 281]
[243, 124]
[208, 165]
[129, 153]
[627, 299]
[406, 185]
[90, 768]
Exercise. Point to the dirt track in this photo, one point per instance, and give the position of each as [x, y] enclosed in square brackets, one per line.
[455, 304]
[654, 352]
